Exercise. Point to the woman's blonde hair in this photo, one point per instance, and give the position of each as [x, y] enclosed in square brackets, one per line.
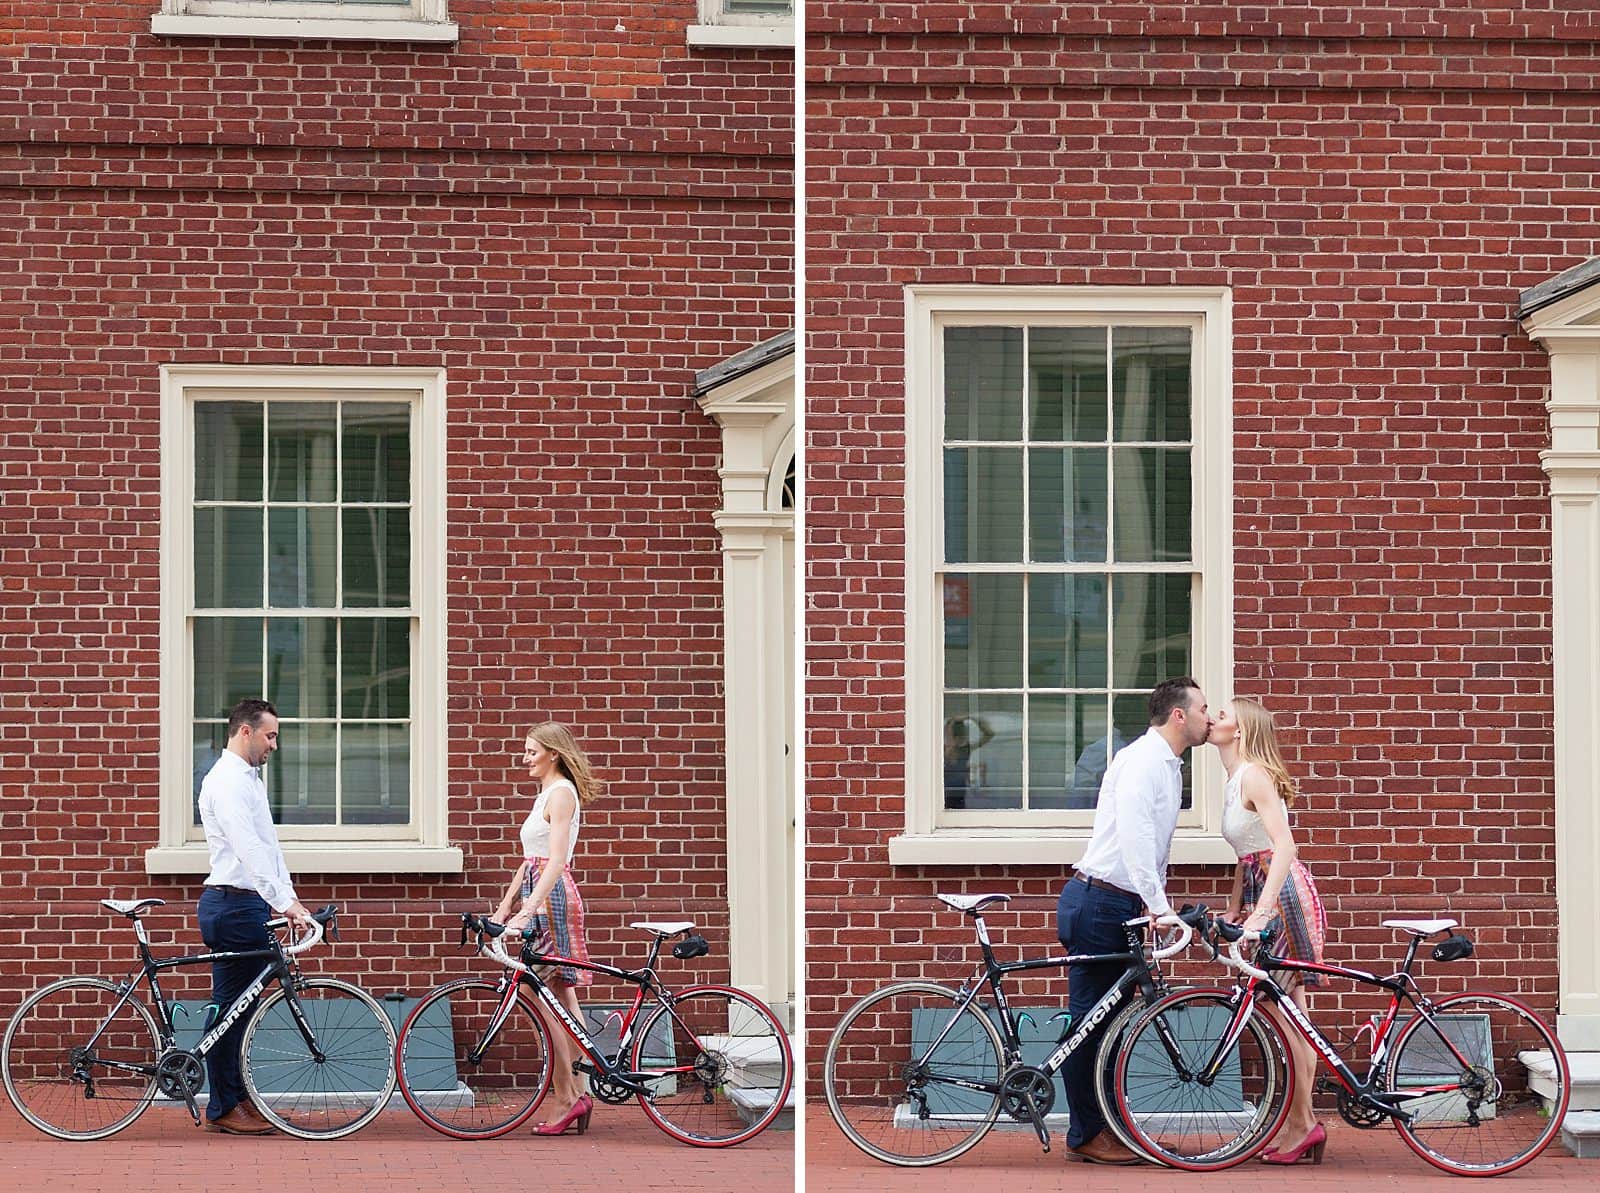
[571, 761]
[1258, 743]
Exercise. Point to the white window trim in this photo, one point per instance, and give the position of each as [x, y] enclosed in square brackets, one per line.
[427, 850]
[719, 27]
[930, 309]
[310, 20]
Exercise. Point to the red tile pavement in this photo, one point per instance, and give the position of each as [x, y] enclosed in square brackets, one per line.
[1369, 1160]
[395, 1154]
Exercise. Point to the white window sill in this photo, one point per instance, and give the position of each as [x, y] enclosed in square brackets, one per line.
[999, 847]
[305, 29]
[751, 36]
[322, 858]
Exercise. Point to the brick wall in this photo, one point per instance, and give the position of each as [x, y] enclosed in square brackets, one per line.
[571, 221]
[1376, 183]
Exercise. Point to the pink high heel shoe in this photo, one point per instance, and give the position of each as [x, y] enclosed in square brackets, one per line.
[1310, 1149]
[577, 1117]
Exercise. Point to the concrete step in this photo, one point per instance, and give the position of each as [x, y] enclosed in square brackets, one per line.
[753, 1103]
[1580, 1134]
[755, 1071]
[1584, 1068]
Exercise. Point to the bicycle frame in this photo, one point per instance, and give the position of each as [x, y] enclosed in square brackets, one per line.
[1402, 990]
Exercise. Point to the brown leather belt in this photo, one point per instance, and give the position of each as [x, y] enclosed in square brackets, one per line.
[1103, 885]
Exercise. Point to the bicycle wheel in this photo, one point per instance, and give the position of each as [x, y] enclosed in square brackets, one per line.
[716, 1064]
[1182, 1122]
[459, 1079]
[1493, 1115]
[909, 1079]
[1105, 1064]
[327, 1098]
[75, 1069]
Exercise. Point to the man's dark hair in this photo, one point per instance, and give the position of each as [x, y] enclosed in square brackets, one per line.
[248, 712]
[1168, 695]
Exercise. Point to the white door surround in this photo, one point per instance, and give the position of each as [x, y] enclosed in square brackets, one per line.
[754, 406]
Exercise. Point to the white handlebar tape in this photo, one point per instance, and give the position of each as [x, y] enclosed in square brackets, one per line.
[1185, 935]
[312, 936]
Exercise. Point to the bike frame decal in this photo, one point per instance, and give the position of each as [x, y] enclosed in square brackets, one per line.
[1092, 1020]
[240, 1005]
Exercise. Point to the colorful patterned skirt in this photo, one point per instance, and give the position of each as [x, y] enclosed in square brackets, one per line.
[1303, 924]
[563, 914]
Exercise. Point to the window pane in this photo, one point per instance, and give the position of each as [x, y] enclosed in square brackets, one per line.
[302, 565]
[1067, 750]
[1067, 505]
[377, 451]
[1149, 629]
[983, 505]
[227, 451]
[1067, 631]
[377, 667]
[982, 631]
[1150, 519]
[377, 774]
[1151, 380]
[377, 558]
[1131, 716]
[303, 450]
[302, 662]
[227, 663]
[982, 751]
[983, 383]
[1067, 383]
[779, 7]
[209, 742]
[300, 777]
[227, 558]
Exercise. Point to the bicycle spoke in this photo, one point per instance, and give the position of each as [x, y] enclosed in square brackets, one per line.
[458, 1095]
[899, 1073]
[49, 1072]
[1485, 1116]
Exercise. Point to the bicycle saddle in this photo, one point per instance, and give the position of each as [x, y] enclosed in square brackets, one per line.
[663, 927]
[1420, 927]
[972, 903]
[131, 907]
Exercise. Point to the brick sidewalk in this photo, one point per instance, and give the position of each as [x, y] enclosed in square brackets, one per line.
[1366, 1160]
[165, 1149]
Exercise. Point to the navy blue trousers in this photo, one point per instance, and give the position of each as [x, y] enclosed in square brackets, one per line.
[230, 921]
[1089, 920]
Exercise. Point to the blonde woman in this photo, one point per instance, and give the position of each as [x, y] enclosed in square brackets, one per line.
[1272, 883]
[544, 880]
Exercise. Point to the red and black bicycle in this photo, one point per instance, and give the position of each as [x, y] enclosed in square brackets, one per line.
[710, 1065]
[1476, 1084]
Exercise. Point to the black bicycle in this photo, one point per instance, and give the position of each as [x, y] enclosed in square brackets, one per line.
[1476, 1083]
[916, 1073]
[709, 1065]
[83, 1057]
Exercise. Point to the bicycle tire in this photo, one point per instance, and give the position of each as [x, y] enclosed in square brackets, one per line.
[1520, 1122]
[1194, 1127]
[494, 1093]
[37, 1062]
[868, 1074]
[305, 1097]
[731, 1067]
[1105, 1064]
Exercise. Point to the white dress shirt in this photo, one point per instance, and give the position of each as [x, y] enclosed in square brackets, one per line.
[1134, 820]
[240, 834]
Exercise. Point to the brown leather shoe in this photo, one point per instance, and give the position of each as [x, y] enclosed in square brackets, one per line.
[1104, 1148]
[237, 1122]
[255, 1115]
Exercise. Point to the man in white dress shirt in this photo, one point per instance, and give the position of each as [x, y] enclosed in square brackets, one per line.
[248, 883]
[1123, 870]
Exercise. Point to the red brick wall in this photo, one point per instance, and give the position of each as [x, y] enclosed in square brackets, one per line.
[1376, 183]
[569, 220]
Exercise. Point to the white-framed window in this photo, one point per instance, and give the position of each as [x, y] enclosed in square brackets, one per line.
[338, 20]
[302, 518]
[744, 23]
[1068, 546]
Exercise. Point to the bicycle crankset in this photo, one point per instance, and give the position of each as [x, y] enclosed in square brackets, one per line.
[1027, 1091]
[179, 1075]
[608, 1089]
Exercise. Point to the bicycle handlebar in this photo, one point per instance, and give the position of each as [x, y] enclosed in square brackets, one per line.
[491, 940]
[312, 936]
[1185, 935]
[1234, 961]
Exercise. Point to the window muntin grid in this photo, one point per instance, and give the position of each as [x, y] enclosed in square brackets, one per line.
[301, 523]
[1068, 578]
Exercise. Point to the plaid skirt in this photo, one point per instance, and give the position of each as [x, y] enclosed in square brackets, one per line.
[563, 914]
[1303, 923]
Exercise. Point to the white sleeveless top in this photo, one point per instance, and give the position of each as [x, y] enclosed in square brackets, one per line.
[1241, 827]
[536, 829]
